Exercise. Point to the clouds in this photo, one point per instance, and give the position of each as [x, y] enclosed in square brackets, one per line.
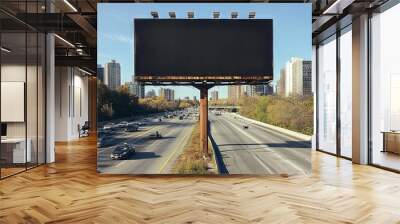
[118, 37]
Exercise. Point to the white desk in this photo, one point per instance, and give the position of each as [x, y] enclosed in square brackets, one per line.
[19, 155]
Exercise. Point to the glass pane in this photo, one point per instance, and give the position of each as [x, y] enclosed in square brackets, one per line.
[327, 95]
[31, 98]
[346, 93]
[41, 98]
[13, 87]
[385, 83]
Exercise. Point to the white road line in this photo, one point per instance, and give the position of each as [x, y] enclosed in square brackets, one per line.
[276, 154]
[185, 137]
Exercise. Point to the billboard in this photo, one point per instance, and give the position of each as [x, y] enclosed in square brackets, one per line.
[203, 49]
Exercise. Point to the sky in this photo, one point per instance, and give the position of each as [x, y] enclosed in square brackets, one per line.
[291, 22]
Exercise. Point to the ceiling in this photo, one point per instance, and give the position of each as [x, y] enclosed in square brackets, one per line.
[76, 21]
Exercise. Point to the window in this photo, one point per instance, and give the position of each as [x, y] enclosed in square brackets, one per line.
[22, 77]
[385, 89]
[327, 95]
[346, 92]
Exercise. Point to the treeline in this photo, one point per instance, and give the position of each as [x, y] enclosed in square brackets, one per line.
[294, 113]
[113, 104]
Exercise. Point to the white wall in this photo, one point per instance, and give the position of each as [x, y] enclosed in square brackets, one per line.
[71, 103]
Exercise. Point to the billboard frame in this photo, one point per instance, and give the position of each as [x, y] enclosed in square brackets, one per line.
[195, 80]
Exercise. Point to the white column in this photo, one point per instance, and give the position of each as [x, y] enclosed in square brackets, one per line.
[50, 100]
[360, 90]
[314, 91]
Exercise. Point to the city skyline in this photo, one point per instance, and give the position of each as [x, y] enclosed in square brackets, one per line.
[115, 37]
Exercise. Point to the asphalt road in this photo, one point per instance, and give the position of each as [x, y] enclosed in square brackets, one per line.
[153, 156]
[258, 150]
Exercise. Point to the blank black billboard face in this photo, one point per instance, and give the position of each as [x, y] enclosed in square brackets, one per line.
[203, 47]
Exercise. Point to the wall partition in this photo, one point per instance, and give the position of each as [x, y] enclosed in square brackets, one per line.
[22, 78]
[385, 89]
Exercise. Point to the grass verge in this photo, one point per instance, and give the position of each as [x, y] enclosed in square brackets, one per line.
[191, 160]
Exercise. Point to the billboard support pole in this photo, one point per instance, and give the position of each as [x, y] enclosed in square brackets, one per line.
[204, 120]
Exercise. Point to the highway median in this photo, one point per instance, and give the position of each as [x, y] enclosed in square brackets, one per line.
[191, 161]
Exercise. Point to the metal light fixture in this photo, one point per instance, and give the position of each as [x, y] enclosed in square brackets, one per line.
[64, 40]
[190, 15]
[252, 15]
[215, 15]
[70, 5]
[5, 50]
[172, 15]
[234, 15]
[337, 7]
[84, 71]
[154, 14]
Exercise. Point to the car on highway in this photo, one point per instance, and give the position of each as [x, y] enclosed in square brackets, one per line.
[123, 151]
[105, 142]
[245, 126]
[122, 124]
[108, 126]
[155, 135]
[132, 127]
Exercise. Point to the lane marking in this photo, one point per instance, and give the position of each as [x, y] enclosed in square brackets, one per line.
[280, 137]
[174, 151]
[120, 163]
[276, 154]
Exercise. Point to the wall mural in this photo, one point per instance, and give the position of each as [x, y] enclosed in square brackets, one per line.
[204, 89]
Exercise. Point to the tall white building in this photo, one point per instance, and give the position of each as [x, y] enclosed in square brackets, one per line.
[112, 75]
[297, 77]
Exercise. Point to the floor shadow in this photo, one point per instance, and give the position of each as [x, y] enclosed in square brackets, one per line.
[143, 155]
[218, 157]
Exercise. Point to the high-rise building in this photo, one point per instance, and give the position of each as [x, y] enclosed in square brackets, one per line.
[235, 92]
[167, 94]
[307, 78]
[112, 75]
[288, 78]
[214, 95]
[100, 73]
[136, 89]
[297, 78]
[280, 88]
[257, 90]
[151, 93]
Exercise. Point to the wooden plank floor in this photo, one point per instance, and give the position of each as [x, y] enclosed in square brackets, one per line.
[70, 191]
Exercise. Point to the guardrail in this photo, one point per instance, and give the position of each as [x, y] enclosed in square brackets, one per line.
[290, 133]
[217, 157]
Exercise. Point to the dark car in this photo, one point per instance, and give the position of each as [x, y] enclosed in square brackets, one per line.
[123, 151]
[105, 142]
[245, 126]
[155, 135]
[132, 128]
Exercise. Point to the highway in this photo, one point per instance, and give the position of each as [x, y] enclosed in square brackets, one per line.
[257, 150]
[153, 156]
